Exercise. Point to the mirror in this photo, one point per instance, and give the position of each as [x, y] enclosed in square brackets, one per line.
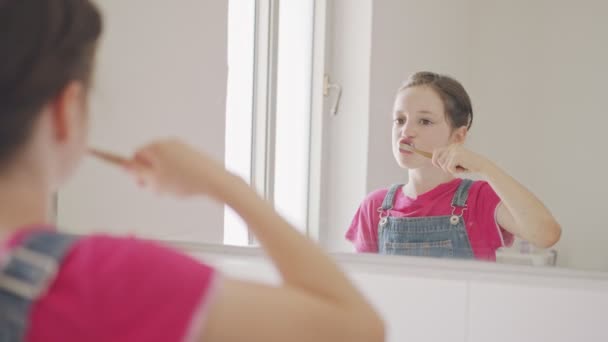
[536, 76]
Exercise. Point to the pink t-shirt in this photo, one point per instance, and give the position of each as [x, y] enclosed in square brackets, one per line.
[122, 289]
[485, 235]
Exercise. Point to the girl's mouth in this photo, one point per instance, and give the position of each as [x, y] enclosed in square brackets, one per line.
[406, 146]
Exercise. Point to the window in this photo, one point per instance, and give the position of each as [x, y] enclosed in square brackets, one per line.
[268, 105]
[239, 106]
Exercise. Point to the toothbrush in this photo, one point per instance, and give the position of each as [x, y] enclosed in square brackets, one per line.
[110, 157]
[426, 154]
[413, 149]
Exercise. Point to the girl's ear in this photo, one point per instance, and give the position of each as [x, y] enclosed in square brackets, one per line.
[67, 109]
[459, 135]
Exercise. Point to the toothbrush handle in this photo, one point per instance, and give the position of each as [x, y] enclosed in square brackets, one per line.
[430, 156]
[424, 154]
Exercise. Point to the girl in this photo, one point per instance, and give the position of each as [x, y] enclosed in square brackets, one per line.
[435, 213]
[55, 287]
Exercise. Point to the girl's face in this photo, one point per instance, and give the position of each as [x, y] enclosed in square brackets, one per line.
[419, 120]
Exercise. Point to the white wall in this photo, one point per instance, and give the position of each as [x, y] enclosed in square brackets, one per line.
[547, 101]
[161, 72]
[433, 300]
[345, 136]
[536, 75]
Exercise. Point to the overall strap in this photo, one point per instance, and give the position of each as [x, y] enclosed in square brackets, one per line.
[25, 274]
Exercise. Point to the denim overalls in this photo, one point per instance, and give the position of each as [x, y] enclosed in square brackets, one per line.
[434, 236]
[25, 273]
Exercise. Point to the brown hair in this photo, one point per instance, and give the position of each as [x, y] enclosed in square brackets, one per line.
[44, 45]
[457, 103]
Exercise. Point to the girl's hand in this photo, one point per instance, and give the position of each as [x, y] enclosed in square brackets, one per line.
[456, 158]
[172, 167]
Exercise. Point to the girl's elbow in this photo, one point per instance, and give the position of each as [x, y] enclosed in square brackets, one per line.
[367, 326]
[378, 330]
[375, 330]
[552, 234]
